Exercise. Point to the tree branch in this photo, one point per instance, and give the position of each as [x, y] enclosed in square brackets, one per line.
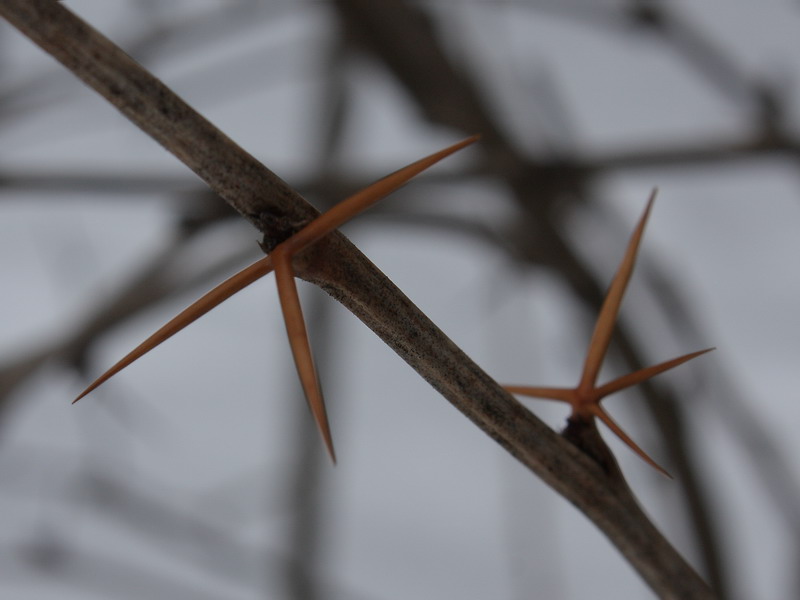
[338, 267]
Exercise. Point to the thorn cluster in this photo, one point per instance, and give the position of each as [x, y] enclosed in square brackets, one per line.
[280, 261]
[585, 398]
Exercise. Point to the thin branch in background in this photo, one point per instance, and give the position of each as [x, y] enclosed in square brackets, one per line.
[162, 520]
[53, 559]
[305, 477]
[110, 185]
[711, 63]
[152, 283]
[182, 36]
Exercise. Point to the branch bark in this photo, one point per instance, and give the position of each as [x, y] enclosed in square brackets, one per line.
[338, 267]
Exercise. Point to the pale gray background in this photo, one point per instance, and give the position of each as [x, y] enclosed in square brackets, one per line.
[176, 478]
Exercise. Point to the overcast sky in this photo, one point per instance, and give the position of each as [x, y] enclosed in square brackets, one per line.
[421, 504]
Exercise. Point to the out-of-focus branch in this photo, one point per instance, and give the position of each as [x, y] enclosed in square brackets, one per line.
[115, 184]
[97, 573]
[150, 284]
[305, 475]
[711, 63]
[339, 268]
[182, 36]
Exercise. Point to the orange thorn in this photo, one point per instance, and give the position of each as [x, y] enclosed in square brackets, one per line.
[345, 210]
[189, 315]
[298, 340]
[563, 394]
[280, 260]
[641, 375]
[586, 397]
[612, 425]
[601, 337]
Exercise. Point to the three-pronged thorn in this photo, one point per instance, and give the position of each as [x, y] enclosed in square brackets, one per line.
[280, 261]
[585, 398]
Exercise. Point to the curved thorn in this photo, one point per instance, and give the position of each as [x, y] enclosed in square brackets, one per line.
[612, 425]
[361, 201]
[644, 374]
[301, 349]
[601, 337]
[189, 315]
